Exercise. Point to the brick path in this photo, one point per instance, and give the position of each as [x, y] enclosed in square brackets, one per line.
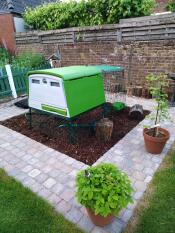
[51, 174]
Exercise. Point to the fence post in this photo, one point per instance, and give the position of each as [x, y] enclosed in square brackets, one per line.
[119, 35]
[11, 81]
[51, 63]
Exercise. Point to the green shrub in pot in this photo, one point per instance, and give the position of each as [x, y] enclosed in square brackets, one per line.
[155, 137]
[104, 190]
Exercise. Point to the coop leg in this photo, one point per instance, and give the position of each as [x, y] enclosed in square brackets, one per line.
[105, 110]
[71, 133]
[30, 118]
[92, 128]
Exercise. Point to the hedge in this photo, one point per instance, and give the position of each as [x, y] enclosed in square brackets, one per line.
[171, 6]
[85, 13]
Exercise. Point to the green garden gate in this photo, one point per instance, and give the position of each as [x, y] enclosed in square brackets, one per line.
[19, 78]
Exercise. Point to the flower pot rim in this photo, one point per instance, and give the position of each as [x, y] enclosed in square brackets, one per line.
[98, 219]
[92, 211]
[165, 137]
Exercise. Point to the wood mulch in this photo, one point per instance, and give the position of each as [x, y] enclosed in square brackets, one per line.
[87, 148]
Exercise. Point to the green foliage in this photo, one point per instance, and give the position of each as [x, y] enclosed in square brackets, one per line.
[171, 6]
[22, 211]
[4, 57]
[22, 60]
[156, 211]
[28, 60]
[158, 85]
[104, 189]
[85, 13]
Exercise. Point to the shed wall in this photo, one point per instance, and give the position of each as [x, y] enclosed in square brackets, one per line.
[7, 35]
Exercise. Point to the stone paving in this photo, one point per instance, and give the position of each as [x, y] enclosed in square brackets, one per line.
[51, 174]
[8, 110]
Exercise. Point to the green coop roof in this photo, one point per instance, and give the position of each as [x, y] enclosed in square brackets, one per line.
[109, 69]
[70, 72]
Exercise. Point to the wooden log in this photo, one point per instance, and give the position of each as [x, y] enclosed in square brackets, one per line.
[139, 91]
[104, 129]
[129, 91]
[146, 93]
[136, 112]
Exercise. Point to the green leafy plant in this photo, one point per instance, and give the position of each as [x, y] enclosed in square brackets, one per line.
[5, 57]
[104, 189]
[171, 6]
[22, 60]
[29, 60]
[85, 13]
[158, 85]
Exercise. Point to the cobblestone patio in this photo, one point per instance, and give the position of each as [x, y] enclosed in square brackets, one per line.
[52, 174]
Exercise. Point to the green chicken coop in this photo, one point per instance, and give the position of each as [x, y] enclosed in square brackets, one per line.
[66, 91]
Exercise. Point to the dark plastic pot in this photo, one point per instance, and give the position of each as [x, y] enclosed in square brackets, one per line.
[155, 145]
[99, 220]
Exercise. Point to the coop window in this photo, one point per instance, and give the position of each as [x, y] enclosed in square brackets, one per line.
[55, 84]
[35, 81]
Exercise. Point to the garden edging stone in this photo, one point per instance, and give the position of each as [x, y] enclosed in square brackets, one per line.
[32, 163]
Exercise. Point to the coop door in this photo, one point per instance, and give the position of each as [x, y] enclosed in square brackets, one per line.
[56, 95]
[47, 90]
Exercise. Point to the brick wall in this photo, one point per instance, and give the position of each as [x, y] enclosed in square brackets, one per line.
[7, 25]
[7, 31]
[142, 45]
[138, 58]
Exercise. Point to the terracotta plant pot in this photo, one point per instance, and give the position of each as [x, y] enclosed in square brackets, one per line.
[155, 145]
[99, 220]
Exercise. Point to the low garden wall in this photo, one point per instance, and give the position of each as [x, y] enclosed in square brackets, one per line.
[142, 45]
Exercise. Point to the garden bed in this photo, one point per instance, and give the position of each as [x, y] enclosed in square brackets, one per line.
[87, 148]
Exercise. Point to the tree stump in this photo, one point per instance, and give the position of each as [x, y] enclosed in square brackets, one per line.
[104, 129]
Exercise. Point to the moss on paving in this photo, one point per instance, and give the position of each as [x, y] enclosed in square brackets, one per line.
[21, 211]
[156, 211]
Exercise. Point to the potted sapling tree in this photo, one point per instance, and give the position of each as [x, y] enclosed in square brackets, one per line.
[104, 190]
[156, 137]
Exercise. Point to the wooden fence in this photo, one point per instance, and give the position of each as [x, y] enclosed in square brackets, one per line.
[5, 90]
[19, 78]
[136, 29]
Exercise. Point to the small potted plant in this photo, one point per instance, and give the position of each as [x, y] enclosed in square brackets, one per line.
[156, 137]
[104, 190]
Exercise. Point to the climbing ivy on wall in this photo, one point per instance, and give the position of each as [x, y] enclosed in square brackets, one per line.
[85, 13]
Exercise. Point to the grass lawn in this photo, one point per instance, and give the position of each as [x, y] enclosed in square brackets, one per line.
[156, 211]
[21, 211]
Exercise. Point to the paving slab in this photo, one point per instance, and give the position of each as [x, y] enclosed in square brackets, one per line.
[10, 111]
[51, 174]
